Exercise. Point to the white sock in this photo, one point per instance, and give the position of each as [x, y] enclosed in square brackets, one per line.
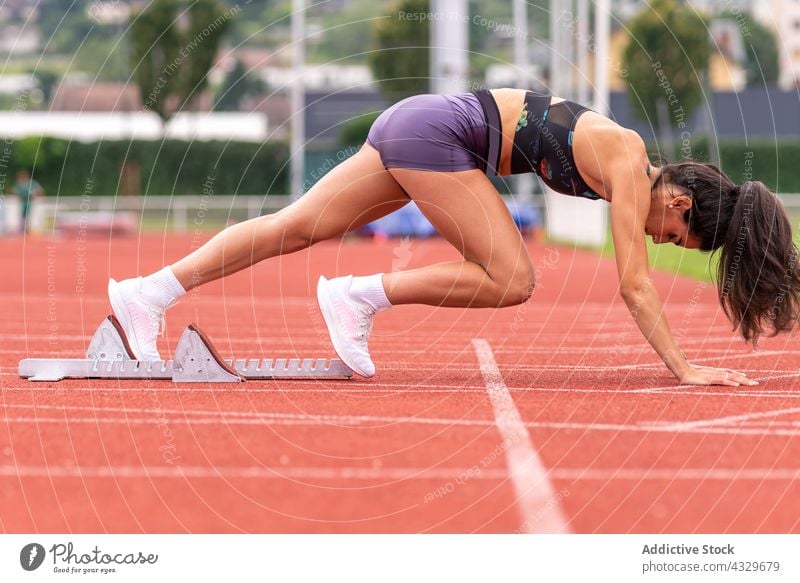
[369, 289]
[162, 287]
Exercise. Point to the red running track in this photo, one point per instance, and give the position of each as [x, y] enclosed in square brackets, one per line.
[578, 428]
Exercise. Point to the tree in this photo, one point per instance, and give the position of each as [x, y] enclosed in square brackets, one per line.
[761, 50]
[173, 48]
[666, 59]
[64, 25]
[47, 79]
[400, 56]
[237, 85]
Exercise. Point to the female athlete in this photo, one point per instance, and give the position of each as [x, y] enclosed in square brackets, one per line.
[439, 150]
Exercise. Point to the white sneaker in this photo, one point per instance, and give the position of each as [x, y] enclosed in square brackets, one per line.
[142, 321]
[349, 323]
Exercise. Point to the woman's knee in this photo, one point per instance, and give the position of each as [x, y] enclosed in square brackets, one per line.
[517, 290]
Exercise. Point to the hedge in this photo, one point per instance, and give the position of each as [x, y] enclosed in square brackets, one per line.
[776, 164]
[67, 167]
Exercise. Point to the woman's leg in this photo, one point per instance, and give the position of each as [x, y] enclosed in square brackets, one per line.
[354, 193]
[466, 209]
[496, 271]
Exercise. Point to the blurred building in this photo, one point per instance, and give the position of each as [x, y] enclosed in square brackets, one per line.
[278, 109]
[19, 10]
[726, 67]
[626, 9]
[114, 111]
[755, 112]
[91, 126]
[109, 12]
[16, 39]
[16, 84]
[319, 77]
[327, 112]
[72, 96]
[503, 75]
[784, 18]
[253, 59]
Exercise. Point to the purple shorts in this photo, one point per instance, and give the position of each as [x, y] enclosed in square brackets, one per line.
[442, 133]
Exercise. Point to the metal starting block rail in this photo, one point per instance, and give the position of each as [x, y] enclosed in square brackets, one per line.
[196, 361]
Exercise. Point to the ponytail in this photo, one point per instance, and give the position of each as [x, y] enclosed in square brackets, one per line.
[759, 277]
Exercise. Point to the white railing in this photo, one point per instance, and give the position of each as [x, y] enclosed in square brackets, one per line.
[791, 201]
[183, 213]
[180, 213]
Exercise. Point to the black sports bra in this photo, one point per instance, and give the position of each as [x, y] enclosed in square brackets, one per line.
[542, 142]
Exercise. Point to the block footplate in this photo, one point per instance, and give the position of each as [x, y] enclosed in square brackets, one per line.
[109, 356]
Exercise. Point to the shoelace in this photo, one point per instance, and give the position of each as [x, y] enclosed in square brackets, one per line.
[364, 314]
[158, 315]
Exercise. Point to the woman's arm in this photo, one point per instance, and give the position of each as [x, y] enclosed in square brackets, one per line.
[629, 183]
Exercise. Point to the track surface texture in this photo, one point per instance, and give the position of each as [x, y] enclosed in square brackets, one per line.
[553, 416]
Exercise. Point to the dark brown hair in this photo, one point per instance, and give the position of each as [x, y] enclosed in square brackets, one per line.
[758, 279]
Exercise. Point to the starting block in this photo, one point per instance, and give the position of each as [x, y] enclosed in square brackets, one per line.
[196, 361]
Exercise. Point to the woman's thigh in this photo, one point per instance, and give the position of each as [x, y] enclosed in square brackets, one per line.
[352, 194]
[466, 209]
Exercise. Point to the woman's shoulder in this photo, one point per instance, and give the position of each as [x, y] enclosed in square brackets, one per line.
[603, 127]
[594, 134]
[507, 93]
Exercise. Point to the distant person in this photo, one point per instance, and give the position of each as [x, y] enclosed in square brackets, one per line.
[439, 151]
[27, 189]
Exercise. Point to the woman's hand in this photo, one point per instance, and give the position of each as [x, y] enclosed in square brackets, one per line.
[706, 375]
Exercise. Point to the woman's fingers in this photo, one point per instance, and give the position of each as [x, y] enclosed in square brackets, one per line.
[741, 378]
[720, 376]
[730, 377]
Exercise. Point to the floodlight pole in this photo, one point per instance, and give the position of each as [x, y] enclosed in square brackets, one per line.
[523, 183]
[582, 47]
[520, 15]
[298, 98]
[602, 28]
[555, 47]
[449, 56]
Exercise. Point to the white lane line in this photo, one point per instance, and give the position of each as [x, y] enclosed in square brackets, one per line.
[411, 473]
[427, 386]
[537, 502]
[765, 430]
[725, 421]
[402, 389]
[254, 472]
[692, 474]
[160, 412]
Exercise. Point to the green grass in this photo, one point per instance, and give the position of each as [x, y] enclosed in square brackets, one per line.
[673, 259]
[688, 262]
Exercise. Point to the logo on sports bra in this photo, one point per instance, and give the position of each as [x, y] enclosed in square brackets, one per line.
[545, 171]
[523, 118]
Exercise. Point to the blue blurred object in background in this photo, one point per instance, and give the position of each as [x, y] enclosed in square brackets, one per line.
[405, 222]
[410, 222]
